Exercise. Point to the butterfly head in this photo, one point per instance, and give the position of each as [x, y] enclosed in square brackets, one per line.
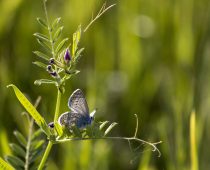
[92, 115]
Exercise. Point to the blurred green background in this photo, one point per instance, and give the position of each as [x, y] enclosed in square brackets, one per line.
[145, 57]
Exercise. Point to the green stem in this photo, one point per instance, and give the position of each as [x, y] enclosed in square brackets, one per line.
[153, 145]
[49, 146]
[47, 151]
[49, 29]
[31, 123]
[26, 167]
[57, 108]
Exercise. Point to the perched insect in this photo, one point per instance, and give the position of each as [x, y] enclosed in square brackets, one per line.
[78, 114]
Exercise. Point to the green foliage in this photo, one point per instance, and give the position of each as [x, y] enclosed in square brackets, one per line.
[59, 60]
[31, 110]
[93, 131]
[27, 152]
[55, 50]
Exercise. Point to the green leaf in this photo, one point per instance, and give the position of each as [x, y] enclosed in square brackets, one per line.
[18, 150]
[44, 44]
[42, 23]
[76, 39]
[35, 155]
[36, 135]
[44, 81]
[41, 36]
[4, 165]
[40, 64]
[57, 33]
[21, 139]
[110, 128]
[76, 131]
[60, 45]
[31, 109]
[55, 23]
[42, 55]
[94, 130]
[37, 144]
[103, 124]
[15, 161]
[78, 54]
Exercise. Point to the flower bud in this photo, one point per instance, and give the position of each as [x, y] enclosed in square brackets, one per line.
[54, 74]
[67, 56]
[51, 124]
[52, 61]
[49, 68]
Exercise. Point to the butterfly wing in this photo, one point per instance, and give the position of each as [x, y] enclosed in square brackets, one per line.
[63, 119]
[77, 103]
[79, 114]
[70, 119]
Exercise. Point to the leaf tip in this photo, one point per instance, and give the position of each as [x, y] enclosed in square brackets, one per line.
[10, 85]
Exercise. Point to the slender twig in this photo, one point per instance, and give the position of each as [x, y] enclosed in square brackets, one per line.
[49, 29]
[129, 139]
[153, 145]
[101, 12]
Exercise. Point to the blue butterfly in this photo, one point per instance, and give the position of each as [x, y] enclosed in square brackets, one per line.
[79, 112]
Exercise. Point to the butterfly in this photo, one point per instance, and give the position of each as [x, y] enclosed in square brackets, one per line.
[78, 114]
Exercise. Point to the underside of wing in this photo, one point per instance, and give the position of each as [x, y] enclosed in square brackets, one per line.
[69, 119]
[77, 102]
[63, 119]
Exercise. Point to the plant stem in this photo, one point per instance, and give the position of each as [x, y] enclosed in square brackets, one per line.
[49, 29]
[49, 146]
[26, 167]
[47, 151]
[153, 145]
[31, 123]
[101, 12]
[57, 108]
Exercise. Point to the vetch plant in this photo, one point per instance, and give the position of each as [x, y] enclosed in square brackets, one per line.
[59, 60]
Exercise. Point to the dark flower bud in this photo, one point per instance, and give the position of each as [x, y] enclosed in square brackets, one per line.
[52, 61]
[51, 125]
[67, 56]
[54, 74]
[49, 68]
